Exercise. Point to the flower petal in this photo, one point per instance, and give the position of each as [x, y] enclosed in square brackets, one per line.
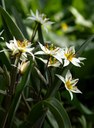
[75, 62]
[61, 78]
[66, 62]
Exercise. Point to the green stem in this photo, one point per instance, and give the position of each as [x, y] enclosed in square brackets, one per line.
[40, 35]
[10, 91]
[34, 32]
[26, 103]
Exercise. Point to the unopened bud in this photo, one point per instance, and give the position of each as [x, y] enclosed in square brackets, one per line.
[24, 66]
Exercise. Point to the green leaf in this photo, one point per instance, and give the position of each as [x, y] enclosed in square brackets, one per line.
[84, 45]
[15, 31]
[4, 59]
[36, 113]
[59, 113]
[40, 109]
[51, 120]
[20, 22]
[17, 97]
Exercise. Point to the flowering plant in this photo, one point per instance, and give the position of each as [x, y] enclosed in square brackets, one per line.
[33, 72]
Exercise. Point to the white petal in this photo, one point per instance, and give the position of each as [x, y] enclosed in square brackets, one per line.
[76, 90]
[39, 53]
[72, 49]
[57, 64]
[61, 78]
[68, 76]
[76, 62]
[57, 57]
[81, 58]
[8, 45]
[43, 60]
[66, 62]
[44, 48]
[74, 82]
[71, 94]
[15, 42]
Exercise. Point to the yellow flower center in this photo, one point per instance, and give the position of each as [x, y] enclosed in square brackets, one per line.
[69, 55]
[22, 45]
[50, 47]
[52, 60]
[69, 85]
[64, 26]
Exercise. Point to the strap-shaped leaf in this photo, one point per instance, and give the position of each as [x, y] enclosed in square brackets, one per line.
[15, 31]
[19, 22]
[17, 97]
[39, 110]
[4, 59]
[59, 112]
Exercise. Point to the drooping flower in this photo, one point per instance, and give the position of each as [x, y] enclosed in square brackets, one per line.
[20, 47]
[40, 18]
[70, 56]
[69, 83]
[50, 50]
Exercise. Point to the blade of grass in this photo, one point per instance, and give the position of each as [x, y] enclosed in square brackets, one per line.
[40, 109]
[16, 98]
[19, 22]
[11, 25]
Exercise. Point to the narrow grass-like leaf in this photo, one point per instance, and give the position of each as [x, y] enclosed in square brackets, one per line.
[20, 22]
[56, 107]
[40, 109]
[11, 25]
[84, 45]
[36, 113]
[16, 98]
[4, 59]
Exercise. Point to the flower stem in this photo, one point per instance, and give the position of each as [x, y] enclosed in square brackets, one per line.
[10, 92]
[40, 35]
[34, 32]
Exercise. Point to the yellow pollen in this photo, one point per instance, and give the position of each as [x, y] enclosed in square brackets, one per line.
[69, 85]
[52, 60]
[22, 44]
[64, 26]
[50, 47]
[69, 56]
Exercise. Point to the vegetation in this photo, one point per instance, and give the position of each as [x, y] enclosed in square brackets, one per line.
[46, 64]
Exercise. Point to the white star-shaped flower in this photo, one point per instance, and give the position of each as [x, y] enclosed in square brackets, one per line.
[50, 50]
[70, 56]
[69, 83]
[20, 47]
[40, 18]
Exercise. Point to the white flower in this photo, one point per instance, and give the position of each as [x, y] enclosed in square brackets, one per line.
[52, 62]
[70, 56]
[40, 18]
[50, 50]
[69, 83]
[23, 66]
[20, 47]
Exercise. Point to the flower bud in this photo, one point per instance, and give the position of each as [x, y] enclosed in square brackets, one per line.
[24, 66]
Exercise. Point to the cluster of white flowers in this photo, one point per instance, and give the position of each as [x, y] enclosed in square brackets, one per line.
[20, 49]
[63, 56]
[56, 56]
